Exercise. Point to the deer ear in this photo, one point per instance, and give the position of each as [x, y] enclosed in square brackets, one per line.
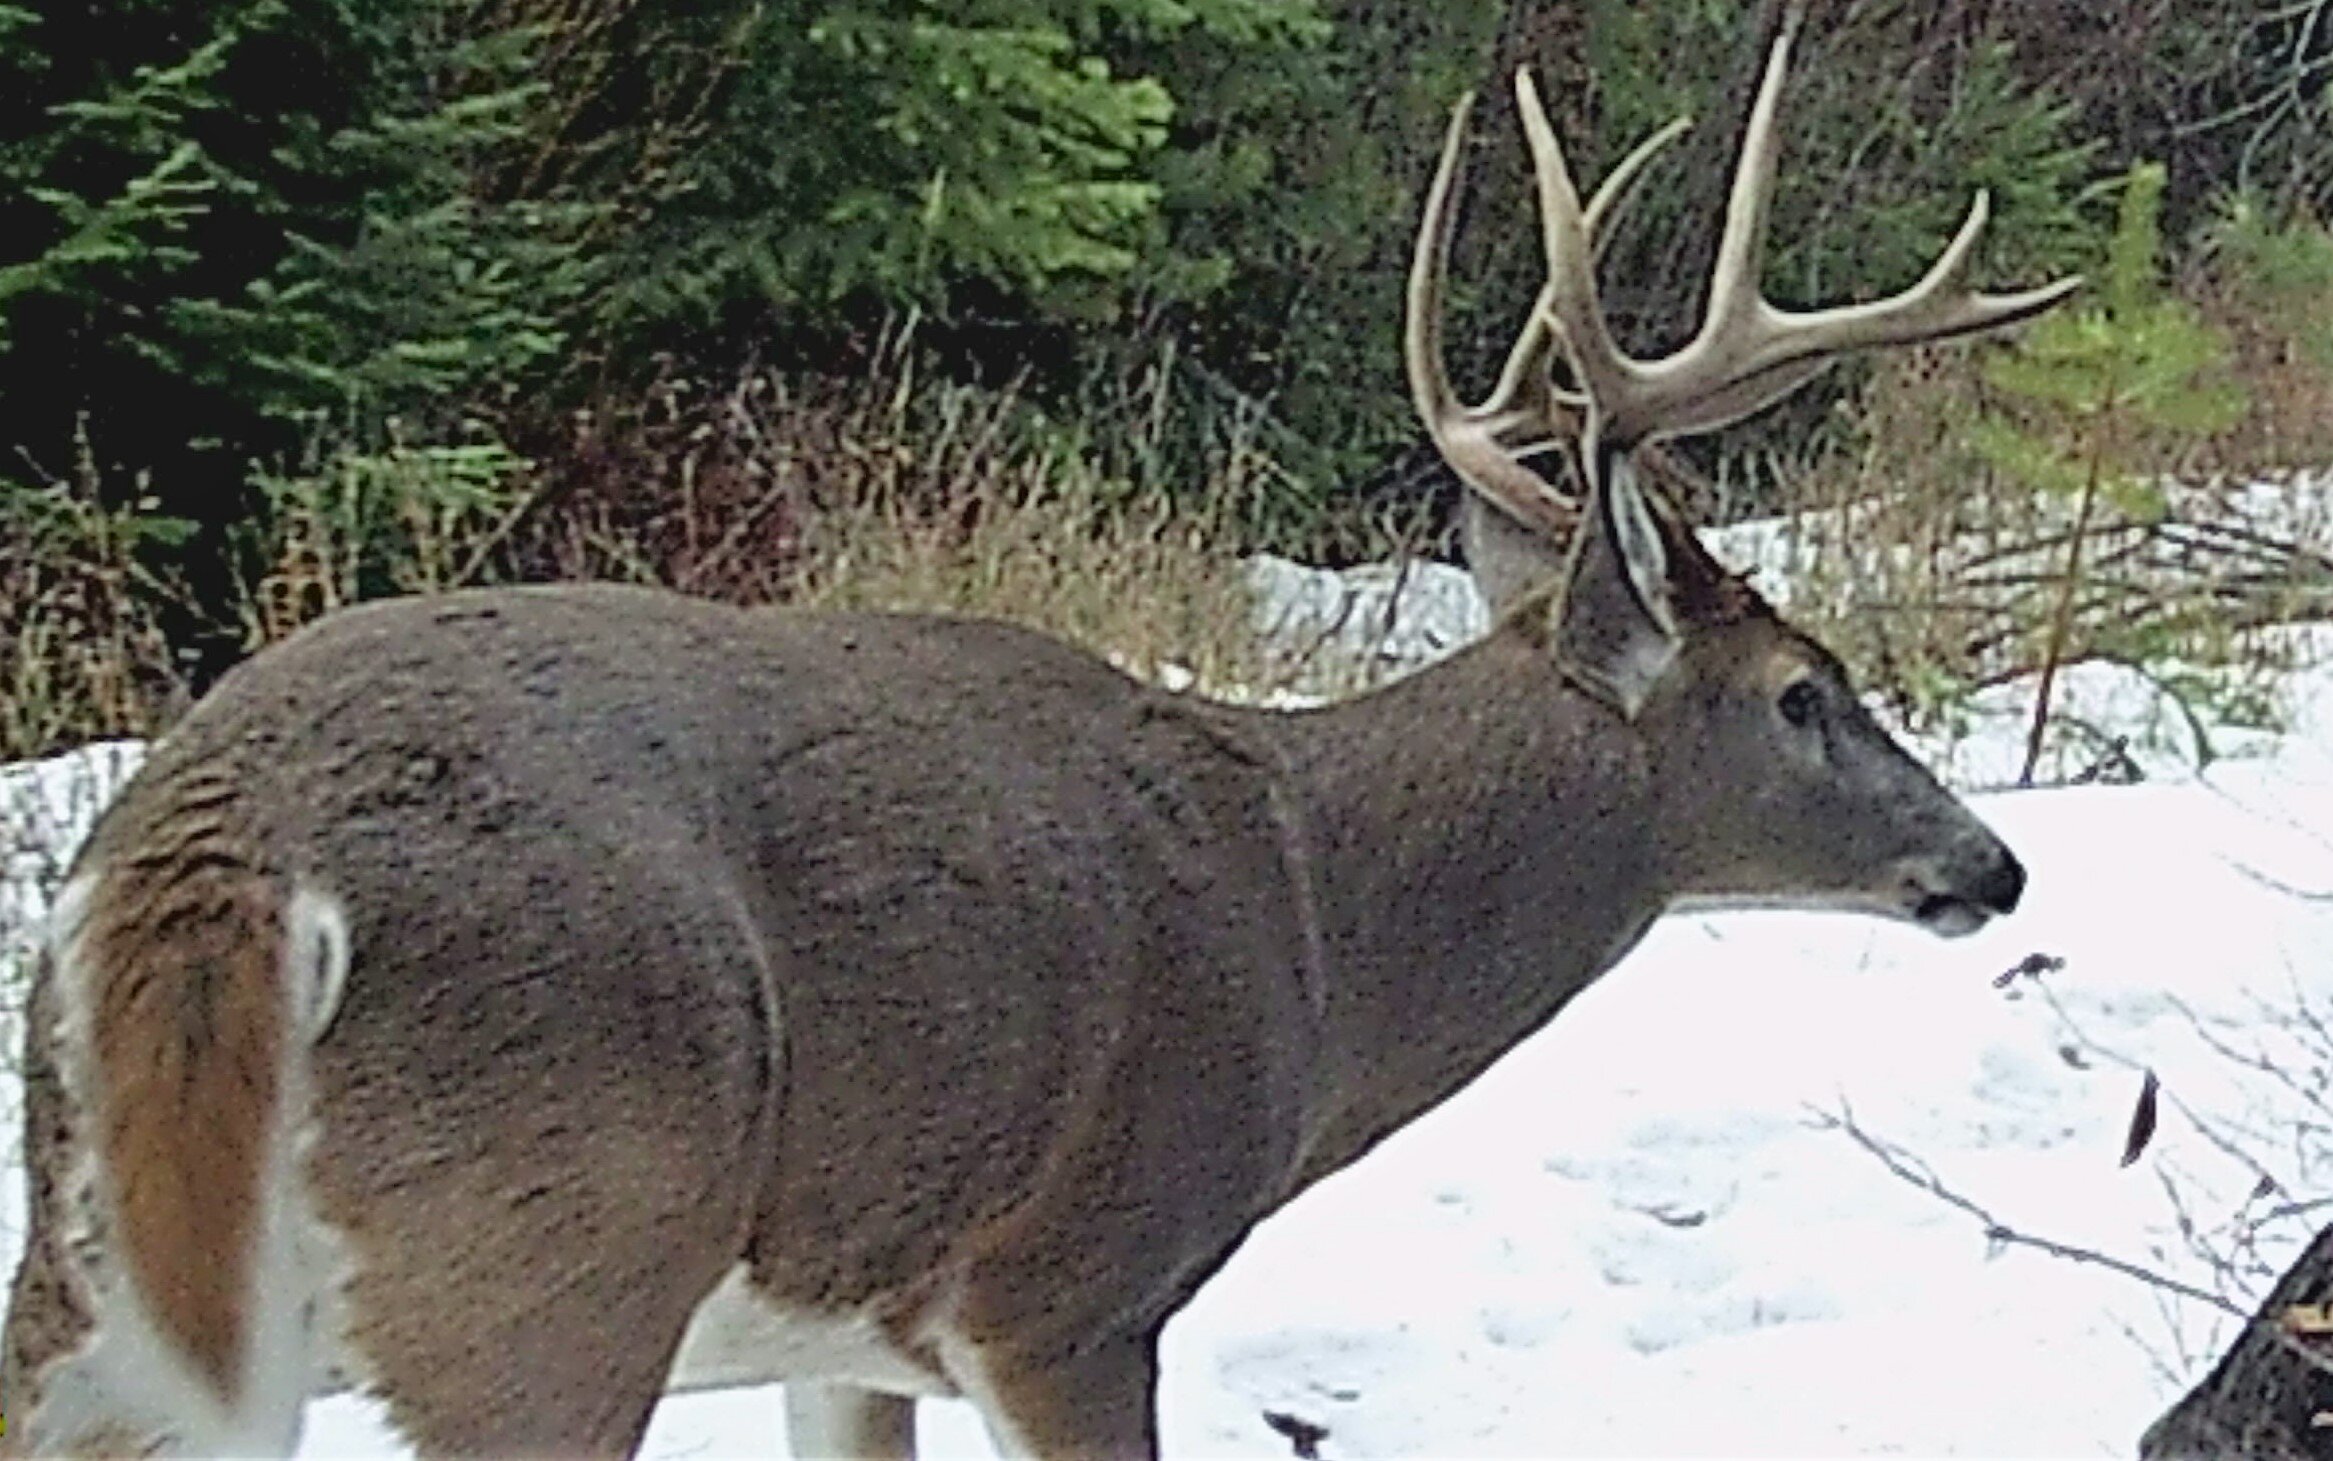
[1615, 629]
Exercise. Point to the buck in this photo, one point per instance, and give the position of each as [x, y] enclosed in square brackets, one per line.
[515, 1004]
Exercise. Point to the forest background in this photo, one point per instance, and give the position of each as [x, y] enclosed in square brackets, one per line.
[1055, 308]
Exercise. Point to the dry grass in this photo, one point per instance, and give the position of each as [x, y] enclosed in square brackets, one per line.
[82, 652]
[1934, 573]
[883, 494]
[358, 519]
[1038, 545]
[878, 492]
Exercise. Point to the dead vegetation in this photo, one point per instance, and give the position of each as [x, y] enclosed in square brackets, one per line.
[1937, 573]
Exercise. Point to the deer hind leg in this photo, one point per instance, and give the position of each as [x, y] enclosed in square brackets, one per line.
[527, 1314]
[848, 1422]
[569, 1380]
[501, 1307]
[1098, 1401]
[541, 1179]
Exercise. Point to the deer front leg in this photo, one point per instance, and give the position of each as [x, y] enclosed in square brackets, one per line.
[847, 1422]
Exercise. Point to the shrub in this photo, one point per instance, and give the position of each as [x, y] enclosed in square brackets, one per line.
[2008, 512]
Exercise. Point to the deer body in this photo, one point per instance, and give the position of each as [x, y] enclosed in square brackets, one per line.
[888, 1005]
[855, 979]
[486, 1000]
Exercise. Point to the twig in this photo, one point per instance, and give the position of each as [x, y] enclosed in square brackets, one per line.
[1917, 1173]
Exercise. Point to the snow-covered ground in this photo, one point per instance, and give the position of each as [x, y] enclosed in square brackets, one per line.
[1645, 1232]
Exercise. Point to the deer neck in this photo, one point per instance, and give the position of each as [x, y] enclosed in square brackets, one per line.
[1481, 849]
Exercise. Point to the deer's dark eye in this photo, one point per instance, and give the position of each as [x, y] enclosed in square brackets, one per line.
[1800, 703]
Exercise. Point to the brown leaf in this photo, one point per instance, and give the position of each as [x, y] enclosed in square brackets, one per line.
[2142, 1122]
[1303, 1435]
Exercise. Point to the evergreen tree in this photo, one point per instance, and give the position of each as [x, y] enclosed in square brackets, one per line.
[2116, 378]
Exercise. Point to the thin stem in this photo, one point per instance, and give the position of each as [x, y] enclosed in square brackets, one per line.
[2062, 621]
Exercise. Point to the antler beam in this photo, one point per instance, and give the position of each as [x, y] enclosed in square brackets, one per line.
[1748, 352]
[1526, 411]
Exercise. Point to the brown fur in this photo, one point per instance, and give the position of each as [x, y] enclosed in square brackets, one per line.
[936, 972]
[182, 953]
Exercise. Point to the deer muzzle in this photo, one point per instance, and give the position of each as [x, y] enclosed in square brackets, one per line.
[1959, 895]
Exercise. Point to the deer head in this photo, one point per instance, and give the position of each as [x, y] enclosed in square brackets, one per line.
[1644, 619]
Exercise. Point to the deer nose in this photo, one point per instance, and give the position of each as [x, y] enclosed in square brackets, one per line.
[2001, 885]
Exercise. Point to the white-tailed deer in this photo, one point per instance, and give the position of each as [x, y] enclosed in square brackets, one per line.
[515, 1002]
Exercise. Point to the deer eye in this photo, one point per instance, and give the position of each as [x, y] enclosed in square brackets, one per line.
[1801, 701]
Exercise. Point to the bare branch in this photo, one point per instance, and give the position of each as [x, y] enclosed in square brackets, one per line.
[1919, 1174]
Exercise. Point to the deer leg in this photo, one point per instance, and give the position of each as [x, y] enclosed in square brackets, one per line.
[567, 1379]
[532, 1304]
[46, 1325]
[848, 1422]
[1097, 1401]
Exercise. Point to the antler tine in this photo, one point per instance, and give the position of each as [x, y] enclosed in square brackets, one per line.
[1741, 246]
[1526, 411]
[1568, 302]
[1473, 439]
[1535, 349]
[1421, 335]
[1936, 308]
[1747, 352]
[1619, 186]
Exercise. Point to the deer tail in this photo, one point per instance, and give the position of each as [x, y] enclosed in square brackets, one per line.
[194, 981]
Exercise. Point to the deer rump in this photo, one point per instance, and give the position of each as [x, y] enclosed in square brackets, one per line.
[836, 947]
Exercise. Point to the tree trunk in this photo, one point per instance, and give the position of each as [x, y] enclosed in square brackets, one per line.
[2271, 1397]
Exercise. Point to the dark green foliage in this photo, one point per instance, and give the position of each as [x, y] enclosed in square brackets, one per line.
[1276, 264]
[897, 152]
[2283, 271]
[262, 251]
[2119, 373]
[267, 241]
[130, 180]
[267, 233]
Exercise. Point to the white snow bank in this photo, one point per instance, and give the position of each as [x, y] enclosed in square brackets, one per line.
[1385, 618]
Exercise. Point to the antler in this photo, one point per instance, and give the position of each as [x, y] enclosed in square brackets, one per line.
[1748, 352]
[1526, 411]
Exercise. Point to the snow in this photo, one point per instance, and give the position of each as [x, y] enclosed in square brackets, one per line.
[1645, 1232]
[1384, 618]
